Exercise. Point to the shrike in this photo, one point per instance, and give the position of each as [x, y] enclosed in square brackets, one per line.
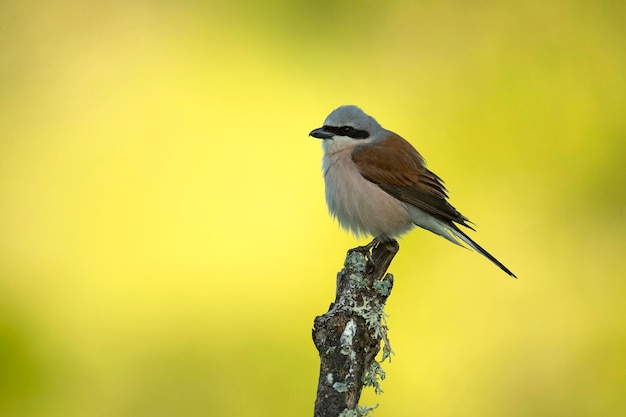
[378, 184]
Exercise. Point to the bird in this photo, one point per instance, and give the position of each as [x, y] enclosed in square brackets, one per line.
[377, 183]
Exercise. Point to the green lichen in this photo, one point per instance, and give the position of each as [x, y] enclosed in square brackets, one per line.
[340, 387]
[360, 411]
[358, 279]
[356, 261]
[371, 312]
[373, 373]
[387, 351]
[383, 287]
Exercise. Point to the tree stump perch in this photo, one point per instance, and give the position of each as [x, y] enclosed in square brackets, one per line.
[349, 335]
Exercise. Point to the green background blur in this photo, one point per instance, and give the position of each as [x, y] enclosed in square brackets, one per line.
[164, 241]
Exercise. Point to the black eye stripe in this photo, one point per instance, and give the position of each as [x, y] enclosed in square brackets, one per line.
[348, 131]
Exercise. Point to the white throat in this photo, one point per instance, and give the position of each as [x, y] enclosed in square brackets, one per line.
[339, 143]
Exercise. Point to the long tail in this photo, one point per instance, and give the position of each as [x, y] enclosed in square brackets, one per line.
[465, 238]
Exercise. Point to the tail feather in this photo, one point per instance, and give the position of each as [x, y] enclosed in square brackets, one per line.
[465, 238]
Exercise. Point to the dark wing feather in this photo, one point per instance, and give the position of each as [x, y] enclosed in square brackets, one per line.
[404, 176]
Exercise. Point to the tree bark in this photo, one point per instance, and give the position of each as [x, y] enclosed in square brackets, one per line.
[349, 335]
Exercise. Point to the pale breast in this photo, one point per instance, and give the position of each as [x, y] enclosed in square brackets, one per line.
[359, 205]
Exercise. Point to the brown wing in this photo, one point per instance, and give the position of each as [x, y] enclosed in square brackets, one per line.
[402, 173]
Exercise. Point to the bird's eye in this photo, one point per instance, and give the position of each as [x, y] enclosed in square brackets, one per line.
[346, 130]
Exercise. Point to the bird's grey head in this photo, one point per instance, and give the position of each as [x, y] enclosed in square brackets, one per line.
[348, 126]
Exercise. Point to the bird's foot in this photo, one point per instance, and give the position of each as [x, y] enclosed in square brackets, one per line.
[370, 246]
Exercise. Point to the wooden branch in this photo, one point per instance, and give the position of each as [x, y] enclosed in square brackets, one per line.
[348, 336]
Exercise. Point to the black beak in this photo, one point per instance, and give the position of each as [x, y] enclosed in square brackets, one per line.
[321, 133]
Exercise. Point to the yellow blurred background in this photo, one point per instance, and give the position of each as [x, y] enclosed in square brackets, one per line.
[164, 241]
